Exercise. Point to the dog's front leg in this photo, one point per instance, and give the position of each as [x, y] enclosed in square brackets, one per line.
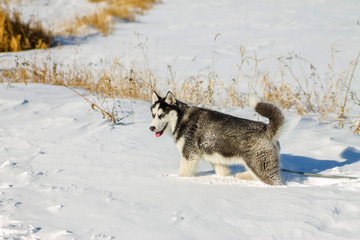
[188, 167]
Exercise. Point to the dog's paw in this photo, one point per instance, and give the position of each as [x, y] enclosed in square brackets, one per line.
[222, 170]
[245, 176]
[185, 174]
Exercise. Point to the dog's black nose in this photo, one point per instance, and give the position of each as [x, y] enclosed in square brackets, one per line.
[152, 128]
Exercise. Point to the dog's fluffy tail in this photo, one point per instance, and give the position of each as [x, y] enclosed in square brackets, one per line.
[273, 113]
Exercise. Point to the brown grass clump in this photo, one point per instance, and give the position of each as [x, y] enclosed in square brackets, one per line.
[16, 35]
[103, 18]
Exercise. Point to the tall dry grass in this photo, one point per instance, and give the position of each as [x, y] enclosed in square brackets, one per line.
[103, 18]
[16, 35]
[293, 84]
[329, 97]
[117, 81]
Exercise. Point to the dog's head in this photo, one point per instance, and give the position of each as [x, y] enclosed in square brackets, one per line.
[164, 113]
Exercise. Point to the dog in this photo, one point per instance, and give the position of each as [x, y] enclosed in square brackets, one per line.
[221, 139]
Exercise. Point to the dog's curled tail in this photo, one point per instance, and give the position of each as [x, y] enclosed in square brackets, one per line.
[273, 113]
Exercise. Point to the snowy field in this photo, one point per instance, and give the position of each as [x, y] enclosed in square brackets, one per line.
[66, 173]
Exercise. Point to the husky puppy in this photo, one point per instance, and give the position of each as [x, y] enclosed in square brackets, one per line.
[221, 139]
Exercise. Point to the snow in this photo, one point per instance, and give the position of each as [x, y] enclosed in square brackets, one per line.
[67, 173]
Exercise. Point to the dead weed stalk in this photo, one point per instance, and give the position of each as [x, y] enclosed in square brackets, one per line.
[341, 117]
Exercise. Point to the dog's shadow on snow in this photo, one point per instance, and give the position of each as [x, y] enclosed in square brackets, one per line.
[311, 165]
[303, 164]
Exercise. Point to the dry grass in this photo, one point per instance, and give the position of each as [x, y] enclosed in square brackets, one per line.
[16, 35]
[289, 86]
[341, 117]
[115, 82]
[308, 95]
[103, 19]
[308, 92]
[294, 83]
[7, 2]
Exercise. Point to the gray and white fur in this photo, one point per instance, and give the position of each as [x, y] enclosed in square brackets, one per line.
[221, 139]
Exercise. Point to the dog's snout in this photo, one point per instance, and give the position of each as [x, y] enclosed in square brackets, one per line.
[152, 128]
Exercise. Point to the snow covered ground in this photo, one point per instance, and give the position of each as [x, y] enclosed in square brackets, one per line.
[65, 173]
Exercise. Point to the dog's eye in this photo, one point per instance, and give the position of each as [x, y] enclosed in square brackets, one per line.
[153, 115]
[162, 115]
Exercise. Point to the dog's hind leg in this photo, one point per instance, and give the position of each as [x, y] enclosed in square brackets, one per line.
[188, 167]
[265, 165]
[221, 169]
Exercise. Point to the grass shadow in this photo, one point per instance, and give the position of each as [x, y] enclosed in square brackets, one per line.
[72, 39]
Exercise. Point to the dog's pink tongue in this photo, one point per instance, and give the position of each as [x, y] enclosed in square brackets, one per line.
[157, 134]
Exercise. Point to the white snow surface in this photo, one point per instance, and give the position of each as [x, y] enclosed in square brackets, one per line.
[66, 173]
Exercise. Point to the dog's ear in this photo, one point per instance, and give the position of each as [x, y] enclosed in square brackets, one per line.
[155, 97]
[170, 98]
